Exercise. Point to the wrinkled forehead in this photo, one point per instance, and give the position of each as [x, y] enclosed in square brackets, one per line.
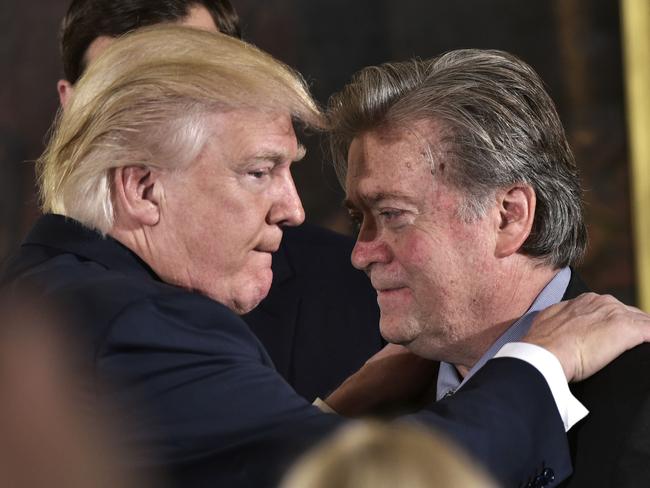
[390, 161]
[250, 135]
[397, 146]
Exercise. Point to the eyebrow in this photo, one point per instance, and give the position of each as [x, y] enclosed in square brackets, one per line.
[377, 197]
[278, 157]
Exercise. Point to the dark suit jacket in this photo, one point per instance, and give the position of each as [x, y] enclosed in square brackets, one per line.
[611, 446]
[200, 394]
[320, 321]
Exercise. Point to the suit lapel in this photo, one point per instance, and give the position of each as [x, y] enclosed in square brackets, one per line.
[575, 287]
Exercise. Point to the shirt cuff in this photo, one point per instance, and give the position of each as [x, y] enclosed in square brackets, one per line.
[571, 410]
[322, 406]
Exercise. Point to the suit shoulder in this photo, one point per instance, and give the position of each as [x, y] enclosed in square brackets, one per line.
[316, 251]
[107, 305]
[617, 398]
[312, 236]
[619, 377]
[183, 320]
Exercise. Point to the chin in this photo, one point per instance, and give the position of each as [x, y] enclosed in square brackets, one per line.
[253, 292]
[397, 330]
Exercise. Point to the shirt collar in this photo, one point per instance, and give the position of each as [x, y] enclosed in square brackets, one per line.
[448, 378]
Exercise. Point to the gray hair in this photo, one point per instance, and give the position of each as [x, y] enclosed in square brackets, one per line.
[144, 102]
[499, 128]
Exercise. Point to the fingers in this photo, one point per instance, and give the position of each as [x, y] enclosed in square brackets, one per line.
[637, 322]
[589, 332]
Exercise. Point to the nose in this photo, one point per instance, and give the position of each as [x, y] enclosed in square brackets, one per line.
[287, 210]
[369, 249]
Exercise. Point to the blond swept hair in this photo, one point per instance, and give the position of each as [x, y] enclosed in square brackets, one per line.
[144, 102]
[375, 455]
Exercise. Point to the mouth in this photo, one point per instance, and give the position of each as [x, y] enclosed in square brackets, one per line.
[387, 291]
[265, 250]
[391, 296]
[386, 286]
[268, 248]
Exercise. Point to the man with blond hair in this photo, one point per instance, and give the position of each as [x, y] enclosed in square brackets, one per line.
[300, 331]
[166, 186]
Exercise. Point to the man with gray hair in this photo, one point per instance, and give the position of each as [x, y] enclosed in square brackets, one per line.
[459, 174]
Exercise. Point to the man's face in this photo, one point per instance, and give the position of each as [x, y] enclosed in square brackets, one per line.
[428, 266]
[221, 218]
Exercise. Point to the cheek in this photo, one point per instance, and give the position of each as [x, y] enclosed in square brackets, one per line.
[432, 268]
[419, 253]
[215, 239]
[238, 223]
[245, 209]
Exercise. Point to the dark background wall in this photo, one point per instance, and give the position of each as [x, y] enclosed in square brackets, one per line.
[573, 44]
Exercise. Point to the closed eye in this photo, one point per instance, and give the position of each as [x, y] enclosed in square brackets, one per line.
[259, 173]
[390, 214]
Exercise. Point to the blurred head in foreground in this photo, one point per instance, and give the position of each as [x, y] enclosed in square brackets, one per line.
[49, 436]
[374, 455]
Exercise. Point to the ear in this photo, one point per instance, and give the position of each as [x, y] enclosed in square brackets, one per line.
[516, 215]
[136, 196]
[65, 90]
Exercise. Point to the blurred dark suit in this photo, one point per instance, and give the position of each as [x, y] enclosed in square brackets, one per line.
[611, 446]
[320, 321]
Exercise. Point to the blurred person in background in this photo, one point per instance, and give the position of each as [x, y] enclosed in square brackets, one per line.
[375, 455]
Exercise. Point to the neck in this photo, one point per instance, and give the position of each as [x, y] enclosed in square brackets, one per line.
[137, 240]
[512, 295]
[134, 239]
